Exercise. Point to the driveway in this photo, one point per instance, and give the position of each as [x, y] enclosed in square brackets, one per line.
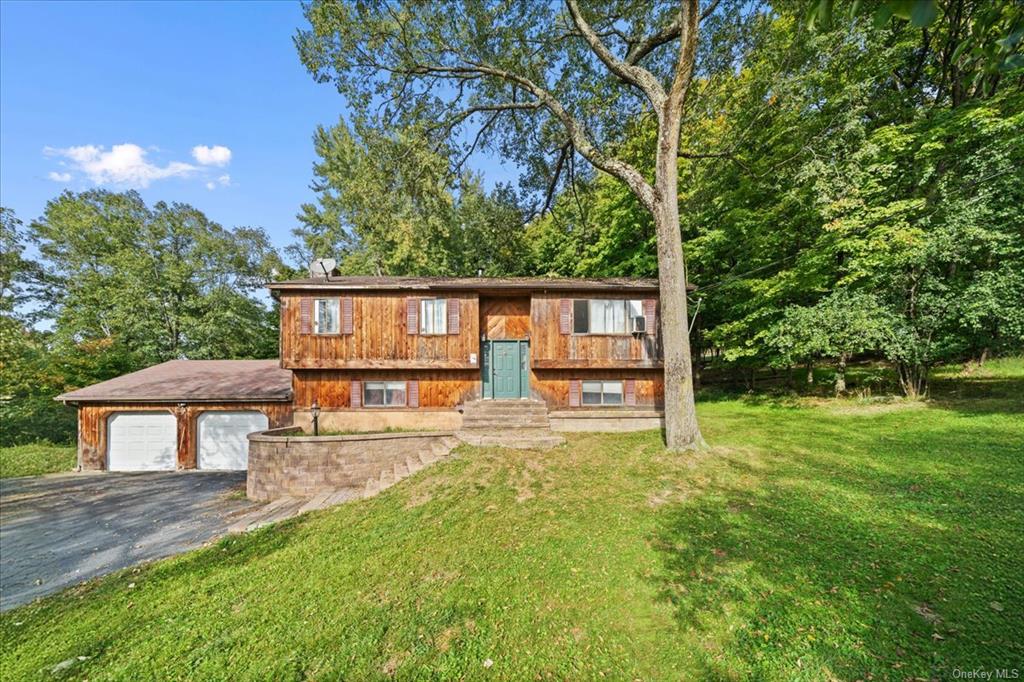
[57, 531]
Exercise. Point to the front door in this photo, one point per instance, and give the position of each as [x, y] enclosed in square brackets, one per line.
[505, 368]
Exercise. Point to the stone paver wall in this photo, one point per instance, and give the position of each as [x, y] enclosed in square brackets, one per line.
[288, 462]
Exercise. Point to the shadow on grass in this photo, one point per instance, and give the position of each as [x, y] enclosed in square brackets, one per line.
[979, 395]
[852, 563]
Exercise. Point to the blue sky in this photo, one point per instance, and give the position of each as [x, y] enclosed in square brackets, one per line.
[121, 94]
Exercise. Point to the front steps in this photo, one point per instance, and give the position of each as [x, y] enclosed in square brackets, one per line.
[519, 424]
[286, 507]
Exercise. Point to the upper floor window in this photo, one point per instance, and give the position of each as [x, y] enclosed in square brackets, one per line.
[602, 393]
[605, 316]
[434, 316]
[326, 315]
[384, 394]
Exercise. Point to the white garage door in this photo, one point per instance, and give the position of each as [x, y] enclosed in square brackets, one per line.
[142, 441]
[222, 438]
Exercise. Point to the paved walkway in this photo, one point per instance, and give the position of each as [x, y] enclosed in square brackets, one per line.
[57, 531]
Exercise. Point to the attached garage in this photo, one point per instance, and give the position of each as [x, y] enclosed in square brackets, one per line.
[223, 442]
[182, 414]
[142, 441]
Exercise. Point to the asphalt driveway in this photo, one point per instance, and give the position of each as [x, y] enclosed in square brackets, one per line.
[57, 531]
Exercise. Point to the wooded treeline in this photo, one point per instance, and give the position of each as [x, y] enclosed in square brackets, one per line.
[849, 191]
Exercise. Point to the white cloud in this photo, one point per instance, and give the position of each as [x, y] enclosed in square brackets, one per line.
[123, 164]
[223, 181]
[216, 155]
[59, 177]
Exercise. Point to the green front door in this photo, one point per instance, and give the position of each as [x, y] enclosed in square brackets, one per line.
[505, 369]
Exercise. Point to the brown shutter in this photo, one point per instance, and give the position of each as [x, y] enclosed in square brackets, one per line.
[574, 392]
[650, 305]
[629, 388]
[412, 315]
[346, 315]
[565, 316]
[453, 316]
[412, 393]
[305, 315]
[355, 398]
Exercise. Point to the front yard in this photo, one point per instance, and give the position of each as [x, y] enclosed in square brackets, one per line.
[834, 540]
[36, 459]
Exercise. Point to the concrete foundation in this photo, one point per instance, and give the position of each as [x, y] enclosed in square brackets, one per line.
[609, 420]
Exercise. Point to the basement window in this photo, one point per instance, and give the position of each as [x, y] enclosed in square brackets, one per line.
[602, 393]
[326, 315]
[434, 316]
[384, 394]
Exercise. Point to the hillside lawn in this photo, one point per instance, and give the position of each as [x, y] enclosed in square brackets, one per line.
[818, 539]
[35, 459]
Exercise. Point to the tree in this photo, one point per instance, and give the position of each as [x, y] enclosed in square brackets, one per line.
[148, 285]
[534, 80]
[388, 204]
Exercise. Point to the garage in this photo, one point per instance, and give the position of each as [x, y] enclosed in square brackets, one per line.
[142, 441]
[223, 442]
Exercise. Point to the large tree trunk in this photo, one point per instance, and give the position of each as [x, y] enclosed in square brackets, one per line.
[841, 375]
[681, 429]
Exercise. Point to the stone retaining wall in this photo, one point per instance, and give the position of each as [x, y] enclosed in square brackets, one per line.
[606, 420]
[286, 461]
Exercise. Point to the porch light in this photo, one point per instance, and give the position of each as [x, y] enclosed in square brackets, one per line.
[314, 410]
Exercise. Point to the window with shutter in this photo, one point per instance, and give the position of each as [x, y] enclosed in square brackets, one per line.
[565, 316]
[305, 315]
[650, 305]
[453, 316]
[574, 392]
[346, 315]
[412, 315]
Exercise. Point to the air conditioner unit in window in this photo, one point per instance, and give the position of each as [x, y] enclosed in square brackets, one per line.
[639, 324]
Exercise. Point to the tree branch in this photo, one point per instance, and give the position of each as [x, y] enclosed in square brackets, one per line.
[665, 35]
[632, 74]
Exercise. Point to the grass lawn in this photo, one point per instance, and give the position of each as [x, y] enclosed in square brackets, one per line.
[36, 459]
[827, 540]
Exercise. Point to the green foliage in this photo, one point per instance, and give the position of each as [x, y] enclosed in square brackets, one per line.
[391, 205]
[834, 541]
[36, 459]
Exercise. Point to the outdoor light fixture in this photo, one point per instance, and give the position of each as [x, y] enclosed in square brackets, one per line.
[314, 410]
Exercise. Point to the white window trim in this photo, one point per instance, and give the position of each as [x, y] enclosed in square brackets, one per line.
[336, 302]
[385, 405]
[628, 305]
[621, 393]
[426, 319]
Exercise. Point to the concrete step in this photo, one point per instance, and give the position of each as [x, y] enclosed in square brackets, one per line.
[505, 409]
[318, 501]
[372, 487]
[519, 439]
[401, 471]
[413, 465]
[387, 478]
[266, 511]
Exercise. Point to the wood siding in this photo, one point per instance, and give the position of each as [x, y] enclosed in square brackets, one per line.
[331, 388]
[94, 417]
[551, 349]
[380, 337]
[552, 385]
[505, 318]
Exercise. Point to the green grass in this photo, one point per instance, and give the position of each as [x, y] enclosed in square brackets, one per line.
[834, 540]
[36, 459]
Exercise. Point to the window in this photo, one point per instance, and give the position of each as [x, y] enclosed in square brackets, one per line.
[602, 393]
[604, 316]
[326, 315]
[434, 316]
[384, 394]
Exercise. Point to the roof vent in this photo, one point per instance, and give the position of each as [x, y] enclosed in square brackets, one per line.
[323, 268]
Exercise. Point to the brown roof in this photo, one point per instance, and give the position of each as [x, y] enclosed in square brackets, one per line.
[469, 283]
[193, 381]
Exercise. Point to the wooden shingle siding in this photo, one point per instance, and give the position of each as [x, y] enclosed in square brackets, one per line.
[384, 335]
[505, 318]
[551, 347]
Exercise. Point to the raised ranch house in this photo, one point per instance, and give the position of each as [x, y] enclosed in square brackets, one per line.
[478, 357]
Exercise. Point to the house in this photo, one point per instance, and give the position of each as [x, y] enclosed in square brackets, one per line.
[376, 353]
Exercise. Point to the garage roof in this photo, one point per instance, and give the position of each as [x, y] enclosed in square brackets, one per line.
[193, 381]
